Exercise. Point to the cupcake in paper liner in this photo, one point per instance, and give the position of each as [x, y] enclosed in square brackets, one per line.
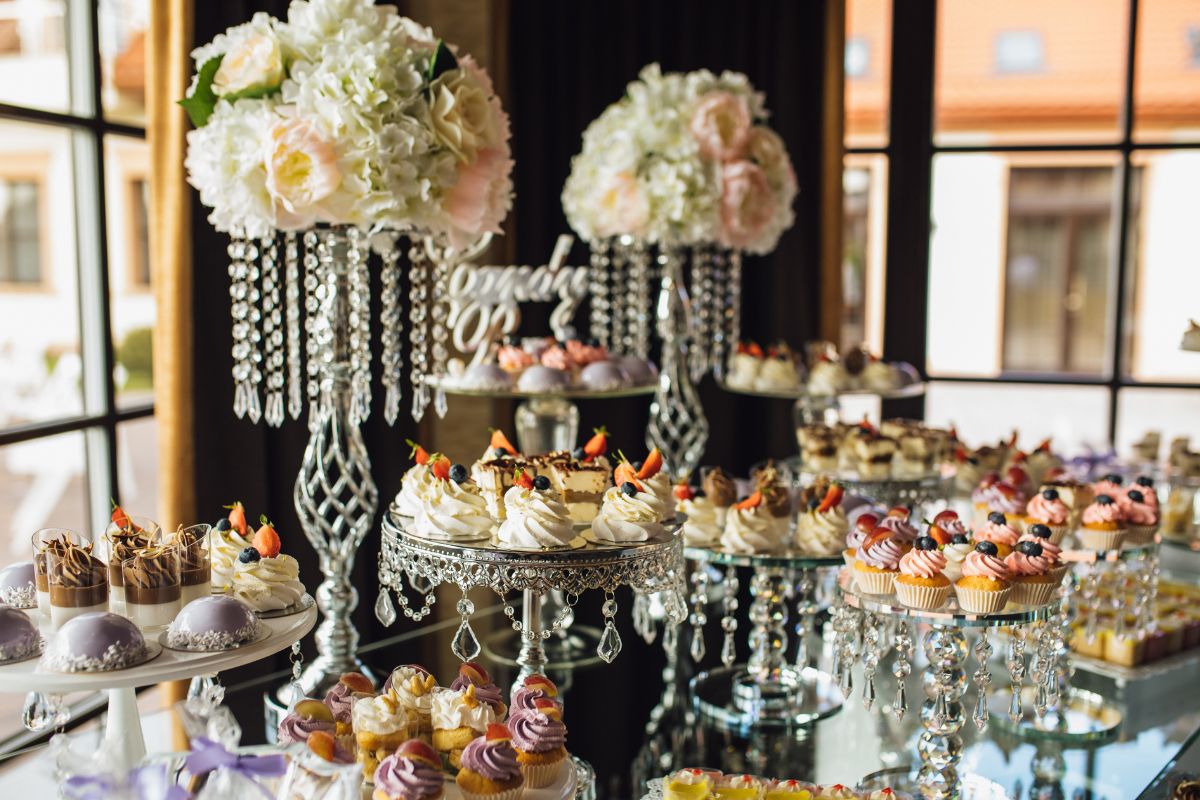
[859, 532]
[413, 772]
[539, 737]
[1103, 525]
[878, 562]
[1047, 508]
[920, 583]
[490, 770]
[986, 581]
[1033, 578]
[1141, 518]
[1043, 535]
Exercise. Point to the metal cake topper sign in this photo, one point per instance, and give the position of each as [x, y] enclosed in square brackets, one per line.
[485, 300]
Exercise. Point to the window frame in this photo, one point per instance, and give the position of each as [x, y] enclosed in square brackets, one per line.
[909, 152]
[89, 127]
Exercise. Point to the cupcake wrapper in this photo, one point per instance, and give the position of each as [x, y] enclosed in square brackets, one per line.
[875, 582]
[1057, 533]
[981, 601]
[926, 598]
[509, 794]
[1032, 593]
[1141, 534]
[848, 558]
[1093, 539]
[539, 776]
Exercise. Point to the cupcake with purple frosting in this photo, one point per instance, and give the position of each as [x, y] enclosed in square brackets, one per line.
[341, 697]
[534, 687]
[539, 737]
[490, 770]
[413, 772]
[473, 674]
[311, 716]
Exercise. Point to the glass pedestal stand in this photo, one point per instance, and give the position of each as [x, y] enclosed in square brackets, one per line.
[767, 691]
[918, 492]
[945, 680]
[545, 424]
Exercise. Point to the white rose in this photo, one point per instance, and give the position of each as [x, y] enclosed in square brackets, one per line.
[302, 171]
[461, 116]
[254, 63]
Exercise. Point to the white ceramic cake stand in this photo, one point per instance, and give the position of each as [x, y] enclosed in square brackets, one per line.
[124, 729]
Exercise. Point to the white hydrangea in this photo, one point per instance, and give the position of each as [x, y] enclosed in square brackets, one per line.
[654, 166]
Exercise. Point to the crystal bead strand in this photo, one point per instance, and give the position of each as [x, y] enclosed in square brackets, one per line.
[418, 285]
[806, 610]
[272, 319]
[901, 667]
[599, 320]
[254, 336]
[312, 303]
[643, 623]
[621, 268]
[1039, 671]
[718, 281]
[1015, 661]
[238, 311]
[729, 621]
[639, 302]
[440, 312]
[982, 678]
[870, 658]
[733, 307]
[698, 618]
[291, 278]
[359, 277]
[392, 328]
[699, 350]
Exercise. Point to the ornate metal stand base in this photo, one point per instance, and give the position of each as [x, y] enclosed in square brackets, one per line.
[733, 699]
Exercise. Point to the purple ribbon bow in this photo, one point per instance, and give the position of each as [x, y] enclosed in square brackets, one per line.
[207, 756]
[143, 783]
[1087, 465]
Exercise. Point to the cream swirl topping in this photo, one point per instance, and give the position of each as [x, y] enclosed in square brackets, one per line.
[704, 521]
[1024, 564]
[1103, 514]
[956, 553]
[883, 554]
[413, 487]
[659, 484]
[381, 715]
[268, 584]
[998, 534]
[461, 709]
[226, 547]
[413, 689]
[453, 511]
[535, 519]
[985, 565]
[629, 518]
[753, 530]
[922, 563]
[1050, 512]
[1049, 549]
[822, 532]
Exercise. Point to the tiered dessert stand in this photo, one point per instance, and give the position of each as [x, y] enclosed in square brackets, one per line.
[124, 729]
[873, 618]
[809, 408]
[918, 492]
[767, 691]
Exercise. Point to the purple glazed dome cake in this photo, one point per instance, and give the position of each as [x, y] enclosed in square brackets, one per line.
[95, 642]
[602, 376]
[638, 370]
[542, 379]
[17, 587]
[19, 637]
[218, 622]
[485, 377]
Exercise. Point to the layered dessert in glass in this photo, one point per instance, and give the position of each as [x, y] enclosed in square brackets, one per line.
[78, 581]
[152, 590]
[195, 562]
[124, 535]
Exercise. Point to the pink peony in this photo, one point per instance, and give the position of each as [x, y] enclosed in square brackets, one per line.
[620, 206]
[720, 124]
[302, 171]
[747, 204]
[480, 197]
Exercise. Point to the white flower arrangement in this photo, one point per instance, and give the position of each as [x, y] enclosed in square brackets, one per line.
[683, 159]
[347, 113]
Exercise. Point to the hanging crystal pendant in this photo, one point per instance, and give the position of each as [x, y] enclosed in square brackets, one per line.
[983, 679]
[599, 301]
[239, 312]
[610, 643]
[465, 645]
[420, 584]
[901, 667]
[313, 292]
[392, 328]
[254, 336]
[385, 612]
[291, 277]
[701, 318]
[44, 712]
[418, 295]
[440, 313]
[273, 345]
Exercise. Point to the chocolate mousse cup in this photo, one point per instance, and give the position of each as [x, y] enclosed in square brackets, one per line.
[119, 544]
[152, 590]
[78, 581]
[195, 562]
[43, 541]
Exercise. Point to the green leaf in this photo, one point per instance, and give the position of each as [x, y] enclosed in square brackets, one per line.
[254, 92]
[441, 62]
[200, 103]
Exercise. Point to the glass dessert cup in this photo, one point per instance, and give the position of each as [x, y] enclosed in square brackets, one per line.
[193, 545]
[43, 541]
[119, 543]
[78, 581]
[152, 587]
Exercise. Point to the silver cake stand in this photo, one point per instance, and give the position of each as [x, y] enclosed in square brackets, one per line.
[862, 622]
[411, 562]
[766, 691]
[809, 408]
[918, 491]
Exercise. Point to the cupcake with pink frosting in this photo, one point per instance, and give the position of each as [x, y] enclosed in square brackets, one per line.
[1103, 524]
[1033, 575]
[986, 581]
[999, 532]
[1047, 508]
[921, 582]
[1141, 518]
[1042, 535]
[1145, 485]
[1111, 485]
[878, 562]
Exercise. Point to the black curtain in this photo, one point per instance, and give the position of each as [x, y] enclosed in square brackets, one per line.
[567, 61]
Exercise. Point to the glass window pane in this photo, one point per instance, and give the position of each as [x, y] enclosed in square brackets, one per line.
[1073, 416]
[126, 170]
[42, 484]
[40, 364]
[1020, 253]
[137, 468]
[864, 232]
[868, 71]
[1171, 412]
[1165, 280]
[123, 27]
[1029, 71]
[1167, 95]
[34, 68]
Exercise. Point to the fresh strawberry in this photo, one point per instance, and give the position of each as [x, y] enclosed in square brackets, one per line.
[597, 445]
[878, 535]
[120, 518]
[938, 534]
[416, 750]
[1018, 457]
[266, 540]
[440, 466]
[497, 732]
[866, 523]
[500, 441]
[1005, 488]
[683, 492]
[651, 465]
[625, 473]
[754, 350]
[753, 501]
[832, 497]
[418, 453]
[523, 479]
[961, 454]
[1044, 447]
[237, 519]
[899, 511]
[944, 517]
[989, 480]
[1016, 476]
